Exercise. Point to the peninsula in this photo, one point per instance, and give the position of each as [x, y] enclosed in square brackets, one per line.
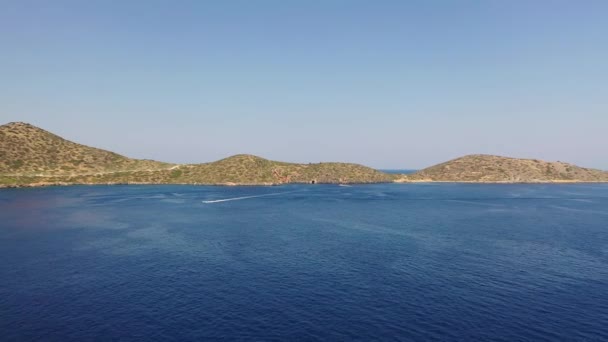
[31, 156]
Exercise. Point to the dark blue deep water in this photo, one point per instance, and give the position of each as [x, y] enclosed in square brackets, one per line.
[375, 262]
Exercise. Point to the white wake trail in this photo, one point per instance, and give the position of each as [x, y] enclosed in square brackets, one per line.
[246, 197]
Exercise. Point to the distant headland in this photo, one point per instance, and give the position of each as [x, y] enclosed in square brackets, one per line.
[31, 156]
[483, 168]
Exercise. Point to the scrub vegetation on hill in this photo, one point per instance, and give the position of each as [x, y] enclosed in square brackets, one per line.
[27, 150]
[496, 169]
[33, 156]
[30, 156]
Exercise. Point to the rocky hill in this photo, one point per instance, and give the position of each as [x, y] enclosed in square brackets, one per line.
[31, 156]
[493, 169]
[27, 150]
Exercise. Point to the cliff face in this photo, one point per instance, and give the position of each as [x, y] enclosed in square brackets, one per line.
[488, 168]
[33, 156]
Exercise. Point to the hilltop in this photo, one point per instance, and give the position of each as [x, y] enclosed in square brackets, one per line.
[497, 169]
[31, 156]
[27, 150]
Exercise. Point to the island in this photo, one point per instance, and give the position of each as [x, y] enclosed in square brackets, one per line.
[31, 156]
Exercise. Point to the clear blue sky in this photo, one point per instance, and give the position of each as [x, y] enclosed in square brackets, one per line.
[390, 84]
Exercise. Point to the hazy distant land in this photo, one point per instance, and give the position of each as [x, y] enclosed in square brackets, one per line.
[30, 156]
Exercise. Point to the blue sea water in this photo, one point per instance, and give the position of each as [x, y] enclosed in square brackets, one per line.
[445, 262]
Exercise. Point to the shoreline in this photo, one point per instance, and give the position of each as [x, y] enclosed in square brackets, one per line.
[231, 184]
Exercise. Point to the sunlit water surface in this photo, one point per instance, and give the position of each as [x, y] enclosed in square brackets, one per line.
[326, 262]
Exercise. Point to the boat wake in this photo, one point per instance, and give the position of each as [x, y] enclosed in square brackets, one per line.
[245, 197]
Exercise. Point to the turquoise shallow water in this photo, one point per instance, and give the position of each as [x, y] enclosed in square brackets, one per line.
[325, 262]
